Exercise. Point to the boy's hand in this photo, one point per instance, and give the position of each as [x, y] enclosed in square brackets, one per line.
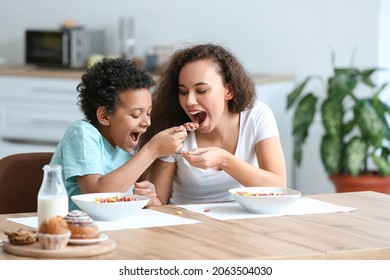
[146, 188]
[168, 141]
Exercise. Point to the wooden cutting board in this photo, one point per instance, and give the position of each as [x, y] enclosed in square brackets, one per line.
[71, 251]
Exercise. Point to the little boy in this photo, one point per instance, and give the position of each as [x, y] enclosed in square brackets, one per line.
[98, 154]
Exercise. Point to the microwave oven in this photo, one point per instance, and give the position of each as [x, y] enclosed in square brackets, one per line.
[65, 48]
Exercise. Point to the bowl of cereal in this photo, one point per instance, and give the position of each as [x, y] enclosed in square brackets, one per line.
[265, 200]
[110, 206]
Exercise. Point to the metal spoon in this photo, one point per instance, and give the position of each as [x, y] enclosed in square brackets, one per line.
[191, 126]
[179, 153]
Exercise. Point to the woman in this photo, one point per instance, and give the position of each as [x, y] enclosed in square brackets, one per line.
[237, 142]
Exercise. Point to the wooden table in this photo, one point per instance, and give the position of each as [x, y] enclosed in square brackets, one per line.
[360, 234]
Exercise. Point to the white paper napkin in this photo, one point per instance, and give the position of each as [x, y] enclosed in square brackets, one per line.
[143, 219]
[233, 210]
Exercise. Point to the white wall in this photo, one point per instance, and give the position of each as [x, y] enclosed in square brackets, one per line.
[279, 36]
[384, 46]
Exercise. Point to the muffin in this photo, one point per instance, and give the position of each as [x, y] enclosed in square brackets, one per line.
[81, 225]
[53, 233]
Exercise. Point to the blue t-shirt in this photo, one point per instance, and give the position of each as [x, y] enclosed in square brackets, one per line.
[82, 151]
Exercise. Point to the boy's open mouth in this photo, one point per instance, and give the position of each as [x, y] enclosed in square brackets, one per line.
[135, 136]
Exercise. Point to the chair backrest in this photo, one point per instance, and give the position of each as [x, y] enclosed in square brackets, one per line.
[20, 179]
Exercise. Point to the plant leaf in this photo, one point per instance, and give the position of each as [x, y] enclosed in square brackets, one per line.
[366, 76]
[370, 124]
[348, 127]
[297, 155]
[382, 163]
[303, 118]
[355, 155]
[331, 151]
[296, 92]
[332, 112]
[383, 112]
[380, 89]
[347, 71]
[342, 83]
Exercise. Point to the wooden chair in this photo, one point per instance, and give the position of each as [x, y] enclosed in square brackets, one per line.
[20, 179]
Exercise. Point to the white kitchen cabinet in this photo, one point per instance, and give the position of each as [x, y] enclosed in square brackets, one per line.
[16, 147]
[35, 112]
[38, 109]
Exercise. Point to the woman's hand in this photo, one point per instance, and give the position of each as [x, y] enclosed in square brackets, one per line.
[147, 189]
[205, 158]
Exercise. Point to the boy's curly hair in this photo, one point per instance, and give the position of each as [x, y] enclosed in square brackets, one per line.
[105, 80]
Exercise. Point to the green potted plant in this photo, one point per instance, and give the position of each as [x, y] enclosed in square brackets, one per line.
[355, 146]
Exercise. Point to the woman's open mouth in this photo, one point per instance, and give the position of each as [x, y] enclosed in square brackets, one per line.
[198, 117]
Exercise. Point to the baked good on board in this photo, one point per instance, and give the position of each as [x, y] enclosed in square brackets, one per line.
[81, 225]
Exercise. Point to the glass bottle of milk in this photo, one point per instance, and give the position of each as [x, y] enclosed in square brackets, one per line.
[52, 196]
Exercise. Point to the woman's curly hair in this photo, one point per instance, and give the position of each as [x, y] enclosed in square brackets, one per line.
[167, 111]
[105, 80]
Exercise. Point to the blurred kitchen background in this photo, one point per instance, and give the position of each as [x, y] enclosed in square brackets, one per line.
[278, 41]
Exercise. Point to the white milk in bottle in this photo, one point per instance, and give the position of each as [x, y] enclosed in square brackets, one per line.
[52, 196]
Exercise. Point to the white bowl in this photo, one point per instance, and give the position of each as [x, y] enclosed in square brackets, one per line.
[269, 200]
[109, 211]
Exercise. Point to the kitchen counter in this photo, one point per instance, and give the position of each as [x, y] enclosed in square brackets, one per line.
[31, 71]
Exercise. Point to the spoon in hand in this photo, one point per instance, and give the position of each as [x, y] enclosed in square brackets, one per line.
[191, 126]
